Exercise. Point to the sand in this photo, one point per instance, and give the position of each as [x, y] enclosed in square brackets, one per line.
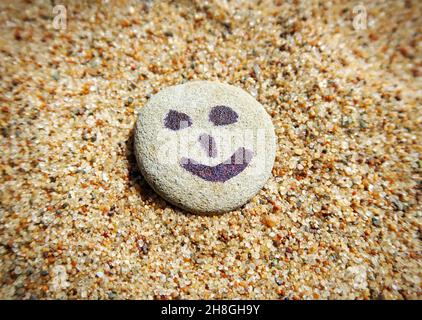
[339, 218]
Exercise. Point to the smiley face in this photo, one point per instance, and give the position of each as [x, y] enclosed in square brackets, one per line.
[205, 146]
[219, 116]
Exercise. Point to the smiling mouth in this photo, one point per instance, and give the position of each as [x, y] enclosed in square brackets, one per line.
[223, 171]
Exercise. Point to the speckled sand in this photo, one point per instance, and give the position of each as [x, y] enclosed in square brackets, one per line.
[339, 218]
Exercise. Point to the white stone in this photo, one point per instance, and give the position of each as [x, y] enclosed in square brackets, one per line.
[208, 124]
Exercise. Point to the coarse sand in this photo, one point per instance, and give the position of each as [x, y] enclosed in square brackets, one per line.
[339, 218]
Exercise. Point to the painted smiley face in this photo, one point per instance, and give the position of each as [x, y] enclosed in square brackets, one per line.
[205, 146]
[223, 171]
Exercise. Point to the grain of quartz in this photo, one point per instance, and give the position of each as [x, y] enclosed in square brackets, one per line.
[78, 221]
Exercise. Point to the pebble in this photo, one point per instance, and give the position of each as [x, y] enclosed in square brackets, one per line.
[375, 221]
[271, 220]
[204, 146]
[298, 151]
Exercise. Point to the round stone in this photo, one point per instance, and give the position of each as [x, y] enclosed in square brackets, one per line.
[206, 147]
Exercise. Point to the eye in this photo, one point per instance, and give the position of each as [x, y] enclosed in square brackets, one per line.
[177, 120]
[222, 115]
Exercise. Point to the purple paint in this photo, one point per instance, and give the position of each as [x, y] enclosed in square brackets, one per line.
[208, 143]
[222, 115]
[175, 120]
[223, 171]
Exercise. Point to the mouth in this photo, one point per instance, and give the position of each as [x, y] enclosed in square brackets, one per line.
[223, 171]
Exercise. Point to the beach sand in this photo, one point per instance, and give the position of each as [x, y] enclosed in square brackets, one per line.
[341, 215]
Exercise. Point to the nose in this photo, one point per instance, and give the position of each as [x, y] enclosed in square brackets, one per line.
[208, 144]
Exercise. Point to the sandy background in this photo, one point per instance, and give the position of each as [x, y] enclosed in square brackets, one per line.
[341, 216]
